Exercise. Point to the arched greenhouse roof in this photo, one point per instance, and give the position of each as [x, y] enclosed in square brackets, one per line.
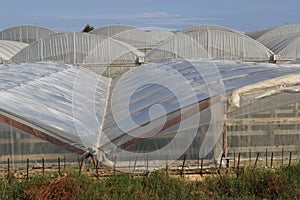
[208, 27]
[137, 38]
[26, 33]
[79, 48]
[10, 48]
[57, 102]
[182, 88]
[219, 45]
[177, 46]
[256, 34]
[160, 34]
[111, 30]
[279, 31]
[286, 46]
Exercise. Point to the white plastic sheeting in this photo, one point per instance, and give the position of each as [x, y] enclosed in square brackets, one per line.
[286, 46]
[56, 102]
[79, 48]
[157, 112]
[208, 27]
[26, 33]
[130, 35]
[159, 33]
[111, 30]
[137, 38]
[177, 46]
[10, 48]
[279, 31]
[149, 104]
[256, 34]
[219, 45]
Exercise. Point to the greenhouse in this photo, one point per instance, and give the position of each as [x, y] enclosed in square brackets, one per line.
[279, 31]
[159, 33]
[261, 112]
[219, 45]
[208, 27]
[133, 36]
[98, 53]
[10, 48]
[137, 38]
[26, 34]
[177, 46]
[157, 112]
[256, 34]
[111, 30]
[287, 46]
[46, 110]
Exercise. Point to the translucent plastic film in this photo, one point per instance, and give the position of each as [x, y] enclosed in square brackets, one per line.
[58, 102]
[79, 48]
[166, 110]
[26, 34]
[217, 45]
[10, 48]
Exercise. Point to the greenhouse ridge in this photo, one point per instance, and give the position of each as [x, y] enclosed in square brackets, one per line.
[120, 93]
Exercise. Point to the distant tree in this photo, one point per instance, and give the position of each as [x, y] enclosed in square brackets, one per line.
[87, 28]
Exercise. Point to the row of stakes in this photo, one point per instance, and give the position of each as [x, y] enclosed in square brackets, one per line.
[200, 163]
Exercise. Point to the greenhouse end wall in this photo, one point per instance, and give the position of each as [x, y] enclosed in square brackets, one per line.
[266, 129]
[17, 146]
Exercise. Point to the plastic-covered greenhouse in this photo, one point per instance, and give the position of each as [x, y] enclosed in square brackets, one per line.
[219, 45]
[98, 53]
[208, 27]
[283, 41]
[177, 46]
[10, 48]
[159, 33]
[133, 36]
[26, 33]
[111, 30]
[256, 34]
[46, 110]
[156, 112]
[279, 31]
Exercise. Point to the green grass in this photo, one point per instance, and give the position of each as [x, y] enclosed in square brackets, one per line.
[258, 183]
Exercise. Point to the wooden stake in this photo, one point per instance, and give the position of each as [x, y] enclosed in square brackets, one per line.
[239, 158]
[249, 157]
[266, 157]
[147, 164]
[43, 166]
[115, 163]
[272, 160]
[234, 158]
[181, 173]
[8, 168]
[166, 164]
[27, 169]
[282, 157]
[257, 155]
[64, 163]
[201, 169]
[290, 159]
[58, 164]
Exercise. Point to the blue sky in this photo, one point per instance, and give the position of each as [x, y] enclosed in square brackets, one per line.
[73, 15]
